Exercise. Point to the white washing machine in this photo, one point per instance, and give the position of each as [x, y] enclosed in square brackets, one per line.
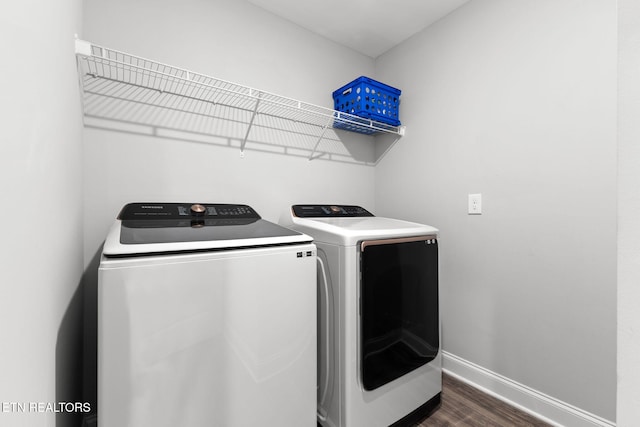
[379, 360]
[206, 317]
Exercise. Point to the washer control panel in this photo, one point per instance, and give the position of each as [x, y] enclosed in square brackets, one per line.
[181, 214]
[328, 211]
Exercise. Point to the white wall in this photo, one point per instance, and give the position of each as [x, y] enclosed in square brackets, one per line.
[41, 181]
[234, 41]
[628, 213]
[517, 101]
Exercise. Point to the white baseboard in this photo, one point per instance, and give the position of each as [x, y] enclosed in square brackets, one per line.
[547, 408]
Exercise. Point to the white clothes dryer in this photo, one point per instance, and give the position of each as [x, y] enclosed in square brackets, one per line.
[206, 317]
[379, 360]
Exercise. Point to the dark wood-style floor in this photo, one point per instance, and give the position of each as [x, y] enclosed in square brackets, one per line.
[463, 405]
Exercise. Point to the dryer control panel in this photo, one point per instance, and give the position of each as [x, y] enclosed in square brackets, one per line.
[328, 211]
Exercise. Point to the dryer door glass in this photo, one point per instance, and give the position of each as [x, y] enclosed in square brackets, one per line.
[399, 308]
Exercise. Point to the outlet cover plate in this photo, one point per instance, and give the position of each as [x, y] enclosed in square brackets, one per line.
[475, 204]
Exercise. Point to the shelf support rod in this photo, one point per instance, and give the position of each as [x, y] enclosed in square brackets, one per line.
[253, 116]
[324, 129]
[397, 137]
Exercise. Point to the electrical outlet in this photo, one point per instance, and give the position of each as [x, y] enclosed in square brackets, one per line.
[475, 204]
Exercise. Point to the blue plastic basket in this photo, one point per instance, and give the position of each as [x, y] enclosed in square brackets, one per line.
[368, 98]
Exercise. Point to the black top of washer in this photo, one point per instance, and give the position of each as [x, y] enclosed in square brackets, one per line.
[178, 227]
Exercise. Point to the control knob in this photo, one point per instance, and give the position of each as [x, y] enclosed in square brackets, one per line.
[198, 209]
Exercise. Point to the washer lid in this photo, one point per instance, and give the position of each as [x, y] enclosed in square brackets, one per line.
[151, 228]
[348, 225]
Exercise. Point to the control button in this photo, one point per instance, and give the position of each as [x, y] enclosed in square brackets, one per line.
[198, 210]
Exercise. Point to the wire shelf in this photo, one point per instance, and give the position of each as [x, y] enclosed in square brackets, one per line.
[129, 89]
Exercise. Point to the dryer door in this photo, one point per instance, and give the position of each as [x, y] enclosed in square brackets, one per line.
[399, 307]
